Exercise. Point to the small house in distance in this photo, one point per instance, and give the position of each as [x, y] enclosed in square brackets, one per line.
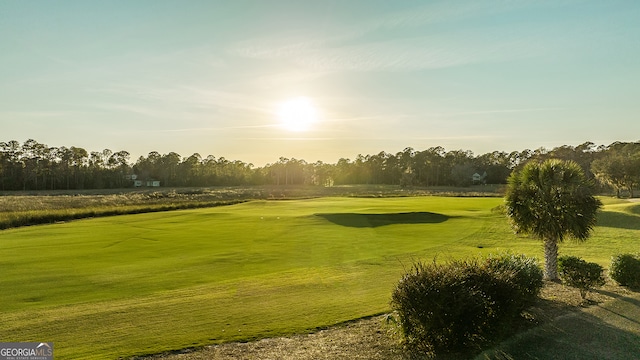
[479, 179]
[140, 183]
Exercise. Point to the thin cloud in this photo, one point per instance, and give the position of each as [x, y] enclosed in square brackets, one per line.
[374, 138]
[289, 77]
[40, 53]
[499, 111]
[37, 114]
[372, 118]
[146, 111]
[190, 106]
[290, 44]
[220, 128]
[322, 52]
[188, 96]
[208, 97]
[291, 138]
[446, 11]
[429, 52]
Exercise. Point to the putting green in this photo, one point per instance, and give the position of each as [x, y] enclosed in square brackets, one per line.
[137, 284]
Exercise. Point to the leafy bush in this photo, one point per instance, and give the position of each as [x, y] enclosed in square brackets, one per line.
[523, 276]
[625, 269]
[578, 273]
[464, 303]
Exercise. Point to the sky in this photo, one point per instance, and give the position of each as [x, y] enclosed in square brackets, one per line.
[215, 77]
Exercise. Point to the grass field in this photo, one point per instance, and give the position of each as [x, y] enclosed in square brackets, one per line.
[137, 284]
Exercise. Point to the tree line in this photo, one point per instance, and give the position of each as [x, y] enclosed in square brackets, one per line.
[36, 166]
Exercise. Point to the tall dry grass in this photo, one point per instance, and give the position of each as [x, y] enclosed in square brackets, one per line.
[23, 210]
[32, 208]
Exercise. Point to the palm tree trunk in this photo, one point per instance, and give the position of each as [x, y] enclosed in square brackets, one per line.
[551, 259]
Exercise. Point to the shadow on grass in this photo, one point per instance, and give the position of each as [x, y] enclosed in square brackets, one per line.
[607, 331]
[634, 302]
[376, 220]
[618, 220]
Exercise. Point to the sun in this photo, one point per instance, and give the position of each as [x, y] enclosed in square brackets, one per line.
[297, 114]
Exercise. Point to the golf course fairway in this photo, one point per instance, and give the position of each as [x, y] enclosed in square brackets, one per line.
[139, 284]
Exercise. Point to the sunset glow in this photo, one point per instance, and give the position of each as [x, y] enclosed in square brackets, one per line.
[297, 114]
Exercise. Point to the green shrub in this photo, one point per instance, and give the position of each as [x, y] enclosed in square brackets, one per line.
[464, 303]
[625, 270]
[580, 274]
[523, 278]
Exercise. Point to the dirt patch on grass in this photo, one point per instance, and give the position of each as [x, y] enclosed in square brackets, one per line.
[376, 337]
[370, 338]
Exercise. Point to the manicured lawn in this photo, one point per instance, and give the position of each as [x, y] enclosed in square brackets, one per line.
[136, 284]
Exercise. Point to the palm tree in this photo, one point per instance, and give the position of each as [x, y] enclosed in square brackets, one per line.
[552, 200]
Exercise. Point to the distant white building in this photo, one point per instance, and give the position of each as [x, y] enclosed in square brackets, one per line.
[479, 179]
[141, 183]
